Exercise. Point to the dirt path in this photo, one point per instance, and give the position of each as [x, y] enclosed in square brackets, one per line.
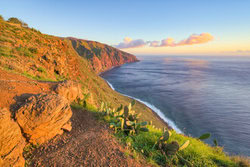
[88, 144]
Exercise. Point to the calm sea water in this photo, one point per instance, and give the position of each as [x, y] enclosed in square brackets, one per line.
[198, 94]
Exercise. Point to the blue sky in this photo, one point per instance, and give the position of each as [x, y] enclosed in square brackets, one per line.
[228, 21]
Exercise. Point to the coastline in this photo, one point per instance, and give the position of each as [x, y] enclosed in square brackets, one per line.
[100, 73]
[157, 112]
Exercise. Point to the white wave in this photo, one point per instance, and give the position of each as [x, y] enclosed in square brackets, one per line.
[110, 85]
[155, 109]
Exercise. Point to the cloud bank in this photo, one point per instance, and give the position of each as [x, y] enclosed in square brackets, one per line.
[129, 43]
[168, 42]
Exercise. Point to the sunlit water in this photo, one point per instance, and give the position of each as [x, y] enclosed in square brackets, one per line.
[198, 94]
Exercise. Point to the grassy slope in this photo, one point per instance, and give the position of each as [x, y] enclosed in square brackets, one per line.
[48, 58]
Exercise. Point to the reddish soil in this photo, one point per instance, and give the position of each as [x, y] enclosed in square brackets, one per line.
[15, 88]
[90, 143]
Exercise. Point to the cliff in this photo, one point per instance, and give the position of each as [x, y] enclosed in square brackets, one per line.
[30, 53]
[101, 56]
[44, 82]
[32, 66]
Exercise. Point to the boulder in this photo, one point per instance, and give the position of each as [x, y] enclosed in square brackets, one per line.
[67, 127]
[69, 89]
[43, 116]
[11, 141]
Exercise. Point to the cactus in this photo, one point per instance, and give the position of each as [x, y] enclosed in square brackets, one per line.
[124, 119]
[122, 124]
[184, 145]
[170, 149]
[215, 142]
[126, 111]
[205, 136]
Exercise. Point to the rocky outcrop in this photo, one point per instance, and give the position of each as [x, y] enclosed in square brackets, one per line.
[69, 89]
[11, 141]
[102, 57]
[43, 116]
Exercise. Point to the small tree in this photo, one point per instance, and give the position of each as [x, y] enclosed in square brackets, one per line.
[17, 21]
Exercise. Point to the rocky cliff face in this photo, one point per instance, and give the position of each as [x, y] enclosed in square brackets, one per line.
[102, 57]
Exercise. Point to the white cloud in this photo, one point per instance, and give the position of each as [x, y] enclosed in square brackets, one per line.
[168, 42]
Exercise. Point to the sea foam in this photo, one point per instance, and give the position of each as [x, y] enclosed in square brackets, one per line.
[155, 109]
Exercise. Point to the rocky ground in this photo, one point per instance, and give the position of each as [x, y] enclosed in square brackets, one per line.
[90, 143]
[16, 88]
[29, 109]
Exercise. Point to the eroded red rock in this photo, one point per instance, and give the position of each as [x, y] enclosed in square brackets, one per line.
[69, 89]
[43, 116]
[11, 141]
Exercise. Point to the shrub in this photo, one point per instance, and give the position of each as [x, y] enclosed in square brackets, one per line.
[25, 52]
[33, 29]
[33, 50]
[1, 17]
[41, 69]
[6, 52]
[17, 21]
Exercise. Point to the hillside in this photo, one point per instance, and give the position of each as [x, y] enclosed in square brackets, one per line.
[43, 82]
[28, 52]
[101, 56]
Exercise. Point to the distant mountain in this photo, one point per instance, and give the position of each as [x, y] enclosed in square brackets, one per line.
[101, 56]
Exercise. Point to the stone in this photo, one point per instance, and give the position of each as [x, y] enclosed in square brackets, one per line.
[69, 89]
[11, 141]
[67, 127]
[43, 116]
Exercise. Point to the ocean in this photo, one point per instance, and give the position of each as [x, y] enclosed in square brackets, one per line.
[193, 94]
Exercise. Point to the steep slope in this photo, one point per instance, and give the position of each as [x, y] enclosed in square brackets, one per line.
[101, 56]
[32, 62]
[38, 56]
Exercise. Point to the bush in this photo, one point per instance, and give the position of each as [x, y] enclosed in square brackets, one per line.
[17, 21]
[1, 17]
[41, 69]
[33, 50]
[25, 52]
[33, 29]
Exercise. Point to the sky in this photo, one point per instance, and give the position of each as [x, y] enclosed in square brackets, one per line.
[143, 27]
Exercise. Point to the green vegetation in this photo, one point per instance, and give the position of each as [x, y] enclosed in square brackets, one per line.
[25, 52]
[33, 50]
[6, 51]
[38, 77]
[141, 139]
[17, 21]
[1, 17]
[41, 69]
[27, 152]
[124, 119]
[60, 77]
[161, 146]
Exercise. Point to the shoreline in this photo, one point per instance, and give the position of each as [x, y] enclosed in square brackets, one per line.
[157, 112]
[100, 73]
